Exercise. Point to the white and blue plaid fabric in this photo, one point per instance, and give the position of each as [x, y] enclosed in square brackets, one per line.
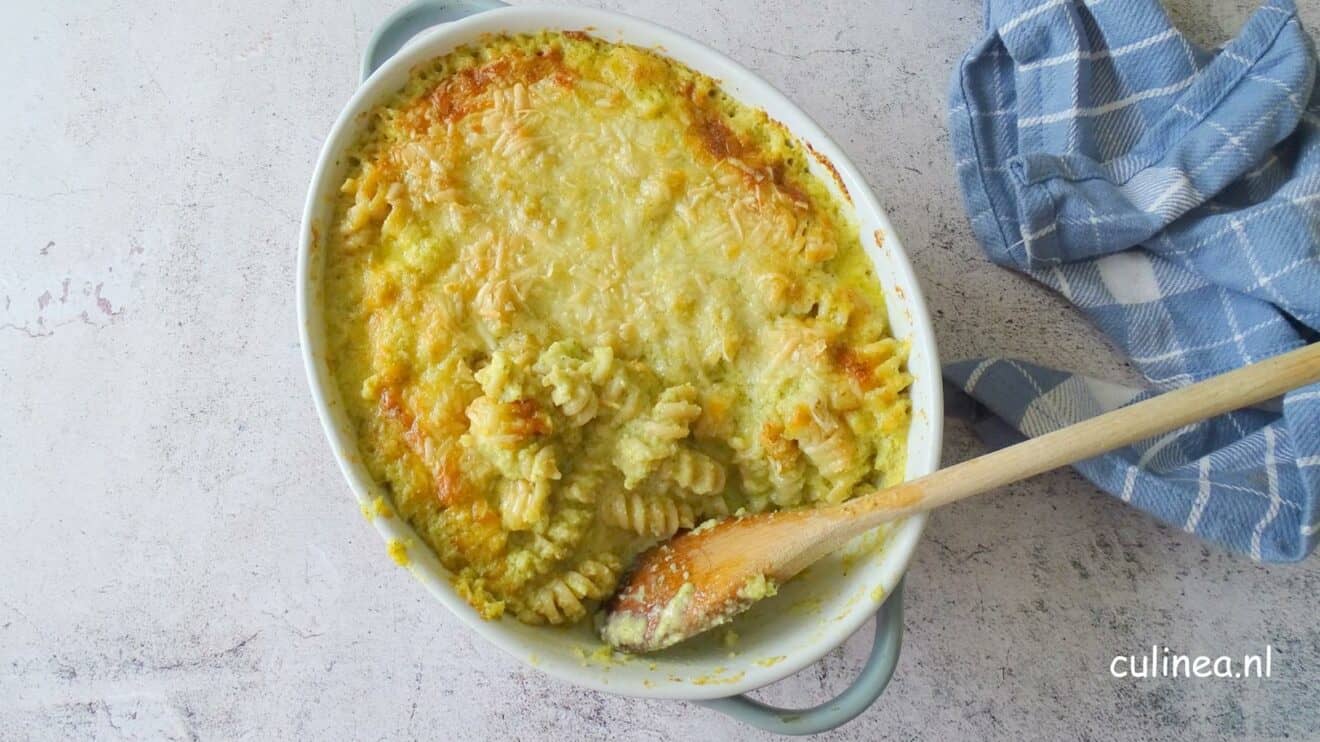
[1173, 195]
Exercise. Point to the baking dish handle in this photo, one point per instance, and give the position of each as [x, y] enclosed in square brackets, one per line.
[411, 20]
[847, 705]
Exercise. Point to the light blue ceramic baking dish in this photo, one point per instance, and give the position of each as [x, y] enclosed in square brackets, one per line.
[815, 612]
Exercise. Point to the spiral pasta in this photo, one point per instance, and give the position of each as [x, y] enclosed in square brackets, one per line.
[659, 516]
[830, 446]
[693, 472]
[523, 502]
[649, 440]
[573, 377]
[565, 598]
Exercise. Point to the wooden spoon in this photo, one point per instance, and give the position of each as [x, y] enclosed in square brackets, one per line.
[701, 578]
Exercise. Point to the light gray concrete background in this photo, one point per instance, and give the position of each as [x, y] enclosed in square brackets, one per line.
[181, 559]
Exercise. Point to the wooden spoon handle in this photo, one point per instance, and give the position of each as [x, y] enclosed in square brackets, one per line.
[1234, 390]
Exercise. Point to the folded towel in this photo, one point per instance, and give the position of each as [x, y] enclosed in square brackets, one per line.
[1173, 195]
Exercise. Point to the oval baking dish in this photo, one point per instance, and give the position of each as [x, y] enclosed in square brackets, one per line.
[815, 612]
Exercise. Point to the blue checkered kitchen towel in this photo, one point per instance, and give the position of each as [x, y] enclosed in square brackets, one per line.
[1173, 195]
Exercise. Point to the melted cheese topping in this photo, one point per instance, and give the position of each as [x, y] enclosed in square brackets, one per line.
[578, 298]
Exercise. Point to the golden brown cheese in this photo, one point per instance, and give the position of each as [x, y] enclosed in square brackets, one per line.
[578, 298]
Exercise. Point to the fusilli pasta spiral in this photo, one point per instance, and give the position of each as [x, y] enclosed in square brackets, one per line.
[565, 598]
[572, 377]
[647, 515]
[693, 471]
[651, 439]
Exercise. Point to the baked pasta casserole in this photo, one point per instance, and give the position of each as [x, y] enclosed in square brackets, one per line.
[579, 298]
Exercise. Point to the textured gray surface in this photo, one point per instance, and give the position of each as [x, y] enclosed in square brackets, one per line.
[182, 559]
